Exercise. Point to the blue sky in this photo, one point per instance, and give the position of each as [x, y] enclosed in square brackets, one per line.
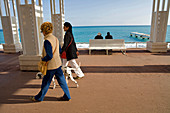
[108, 12]
[104, 12]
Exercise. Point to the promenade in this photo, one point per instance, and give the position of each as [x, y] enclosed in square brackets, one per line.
[114, 83]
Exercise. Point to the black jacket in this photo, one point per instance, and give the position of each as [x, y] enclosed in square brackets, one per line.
[108, 37]
[72, 49]
[98, 37]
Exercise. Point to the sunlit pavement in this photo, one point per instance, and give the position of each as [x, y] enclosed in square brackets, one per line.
[138, 82]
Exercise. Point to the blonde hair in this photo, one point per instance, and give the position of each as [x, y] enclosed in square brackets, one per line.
[99, 33]
[47, 27]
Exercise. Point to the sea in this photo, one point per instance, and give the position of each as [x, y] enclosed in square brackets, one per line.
[83, 34]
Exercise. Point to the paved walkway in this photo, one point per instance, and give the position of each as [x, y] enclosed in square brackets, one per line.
[136, 83]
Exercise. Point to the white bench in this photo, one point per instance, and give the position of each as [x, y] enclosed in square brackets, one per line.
[106, 44]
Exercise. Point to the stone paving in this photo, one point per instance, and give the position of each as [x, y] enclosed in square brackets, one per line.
[136, 83]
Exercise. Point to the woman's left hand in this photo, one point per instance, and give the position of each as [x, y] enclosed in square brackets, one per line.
[77, 53]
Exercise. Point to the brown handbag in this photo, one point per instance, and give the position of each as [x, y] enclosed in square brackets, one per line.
[42, 67]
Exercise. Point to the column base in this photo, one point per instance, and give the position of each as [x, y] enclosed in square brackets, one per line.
[29, 62]
[12, 48]
[155, 47]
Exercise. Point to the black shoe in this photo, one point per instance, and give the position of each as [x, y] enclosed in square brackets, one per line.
[63, 99]
[32, 98]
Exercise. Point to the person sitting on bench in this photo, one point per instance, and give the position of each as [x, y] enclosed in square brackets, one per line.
[108, 36]
[98, 36]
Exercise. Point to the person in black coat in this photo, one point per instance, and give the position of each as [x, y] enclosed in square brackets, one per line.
[99, 36]
[71, 50]
[108, 36]
[70, 45]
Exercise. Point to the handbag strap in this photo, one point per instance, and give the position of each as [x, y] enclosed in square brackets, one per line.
[54, 51]
[69, 43]
[55, 47]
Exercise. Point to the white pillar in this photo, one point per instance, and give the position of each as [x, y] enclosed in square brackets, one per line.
[30, 19]
[58, 20]
[159, 27]
[10, 29]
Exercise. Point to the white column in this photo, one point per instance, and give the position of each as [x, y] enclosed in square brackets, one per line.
[14, 8]
[159, 27]
[30, 19]
[58, 20]
[62, 7]
[54, 6]
[26, 1]
[6, 7]
[10, 30]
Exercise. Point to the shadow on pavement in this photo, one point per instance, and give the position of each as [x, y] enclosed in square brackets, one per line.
[127, 69]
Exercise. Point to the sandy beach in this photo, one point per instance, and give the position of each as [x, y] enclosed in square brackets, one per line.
[114, 83]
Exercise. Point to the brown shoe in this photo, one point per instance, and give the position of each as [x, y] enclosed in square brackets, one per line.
[32, 98]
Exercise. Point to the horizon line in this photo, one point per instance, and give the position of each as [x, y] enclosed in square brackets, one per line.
[108, 25]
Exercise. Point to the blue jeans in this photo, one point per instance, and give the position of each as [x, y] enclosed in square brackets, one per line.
[47, 81]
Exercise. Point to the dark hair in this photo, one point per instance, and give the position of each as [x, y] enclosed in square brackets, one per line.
[108, 33]
[67, 24]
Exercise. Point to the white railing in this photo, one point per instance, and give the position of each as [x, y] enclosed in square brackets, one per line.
[135, 44]
[127, 45]
[168, 45]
